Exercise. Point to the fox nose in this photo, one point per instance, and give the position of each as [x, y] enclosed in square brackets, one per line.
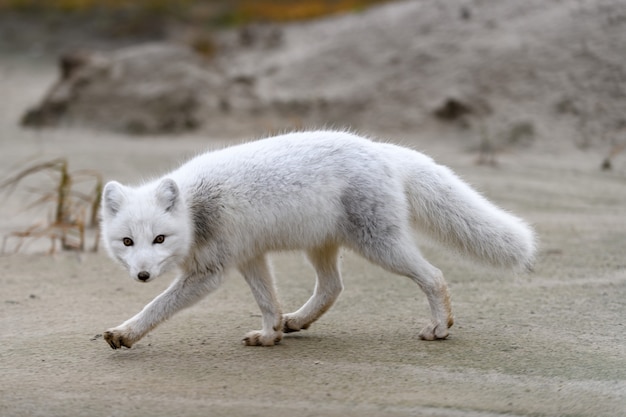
[143, 275]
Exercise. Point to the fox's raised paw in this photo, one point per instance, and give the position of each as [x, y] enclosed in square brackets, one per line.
[434, 332]
[117, 338]
[257, 338]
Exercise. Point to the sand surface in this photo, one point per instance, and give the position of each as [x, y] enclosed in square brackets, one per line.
[551, 343]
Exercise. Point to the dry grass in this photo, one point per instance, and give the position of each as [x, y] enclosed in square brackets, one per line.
[72, 210]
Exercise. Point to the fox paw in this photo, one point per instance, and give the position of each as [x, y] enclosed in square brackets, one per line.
[117, 338]
[258, 338]
[434, 331]
[290, 324]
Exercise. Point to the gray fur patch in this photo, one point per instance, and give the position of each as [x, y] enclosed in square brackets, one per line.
[205, 205]
[369, 217]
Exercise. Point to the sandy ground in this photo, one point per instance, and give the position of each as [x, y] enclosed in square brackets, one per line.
[551, 343]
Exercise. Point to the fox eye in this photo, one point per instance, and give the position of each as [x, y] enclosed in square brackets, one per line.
[128, 241]
[159, 239]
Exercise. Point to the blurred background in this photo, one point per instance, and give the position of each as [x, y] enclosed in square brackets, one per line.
[526, 100]
[54, 24]
[501, 74]
[128, 88]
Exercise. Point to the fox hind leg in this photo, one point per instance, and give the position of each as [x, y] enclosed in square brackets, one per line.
[259, 277]
[402, 257]
[328, 286]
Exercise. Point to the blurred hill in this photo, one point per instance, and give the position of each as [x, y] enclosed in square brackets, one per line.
[510, 73]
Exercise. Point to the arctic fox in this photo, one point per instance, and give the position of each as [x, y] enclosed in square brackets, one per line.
[313, 191]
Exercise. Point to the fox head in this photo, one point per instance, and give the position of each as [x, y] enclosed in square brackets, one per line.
[146, 229]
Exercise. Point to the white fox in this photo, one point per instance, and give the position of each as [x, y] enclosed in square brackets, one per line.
[313, 191]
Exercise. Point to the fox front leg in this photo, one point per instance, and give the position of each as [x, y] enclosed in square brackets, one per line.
[184, 291]
[259, 277]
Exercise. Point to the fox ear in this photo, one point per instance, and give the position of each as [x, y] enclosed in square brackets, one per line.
[167, 194]
[113, 197]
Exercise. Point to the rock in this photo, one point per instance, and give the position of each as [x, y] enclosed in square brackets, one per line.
[147, 89]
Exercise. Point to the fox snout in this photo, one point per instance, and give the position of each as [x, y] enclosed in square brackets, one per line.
[147, 271]
[145, 265]
[143, 276]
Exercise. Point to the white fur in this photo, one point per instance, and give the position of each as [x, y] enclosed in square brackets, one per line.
[313, 191]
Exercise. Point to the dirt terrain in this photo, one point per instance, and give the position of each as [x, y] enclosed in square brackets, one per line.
[549, 343]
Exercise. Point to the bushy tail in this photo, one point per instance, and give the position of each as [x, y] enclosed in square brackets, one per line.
[458, 216]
